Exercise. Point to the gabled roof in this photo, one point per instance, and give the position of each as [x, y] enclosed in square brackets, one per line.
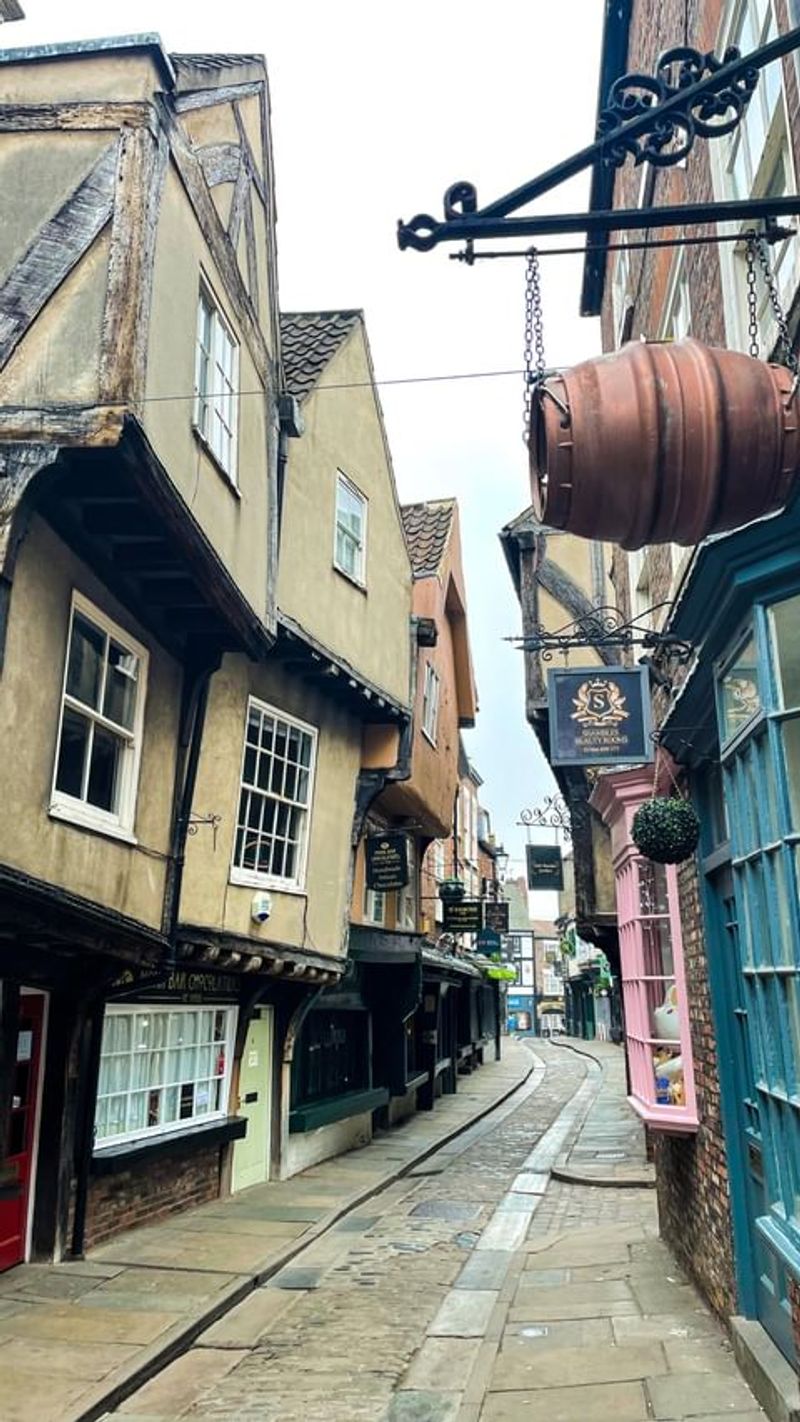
[427, 529]
[310, 339]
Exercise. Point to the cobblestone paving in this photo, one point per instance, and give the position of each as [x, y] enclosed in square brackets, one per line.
[477, 1289]
[337, 1351]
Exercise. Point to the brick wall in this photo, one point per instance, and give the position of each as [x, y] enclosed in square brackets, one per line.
[692, 1171]
[150, 1190]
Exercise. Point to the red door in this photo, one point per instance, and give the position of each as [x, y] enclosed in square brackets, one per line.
[15, 1192]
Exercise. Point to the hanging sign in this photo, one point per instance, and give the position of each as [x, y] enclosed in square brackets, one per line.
[495, 915]
[489, 943]
[387, 861]
[599, 716]
[545, 867]
[465, 917]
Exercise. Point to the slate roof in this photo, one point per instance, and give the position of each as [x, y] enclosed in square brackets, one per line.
[310, 339]
[427, 529]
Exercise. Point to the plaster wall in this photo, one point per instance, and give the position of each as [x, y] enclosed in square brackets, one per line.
[234, 519]
[306, 1148]
[120, 76]
[314, 918]
[128, 878]
[368, 626]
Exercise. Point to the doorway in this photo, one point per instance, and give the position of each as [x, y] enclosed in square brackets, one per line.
[251, 1155]
[19, 1157]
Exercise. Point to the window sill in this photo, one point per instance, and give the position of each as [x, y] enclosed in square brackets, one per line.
[429, 738]
[113, 1159]
[348, 577]
[81, 820]
[336, 1108]
[247, 879]
[218, 465]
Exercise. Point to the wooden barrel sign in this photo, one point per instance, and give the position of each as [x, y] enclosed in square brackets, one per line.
[663, 442]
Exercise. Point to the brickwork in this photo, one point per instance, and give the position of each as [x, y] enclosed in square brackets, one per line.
[794, 1298]
[149, 1191]
[692, 1171]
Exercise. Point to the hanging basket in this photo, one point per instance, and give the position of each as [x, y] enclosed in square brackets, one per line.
[451, 891]
[666, 830]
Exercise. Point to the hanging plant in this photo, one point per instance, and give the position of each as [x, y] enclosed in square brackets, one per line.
[666, 830]
[451, 891]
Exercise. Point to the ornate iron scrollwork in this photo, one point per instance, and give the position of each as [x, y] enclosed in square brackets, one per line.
[602, 627]
[670, 137]
[553, 814]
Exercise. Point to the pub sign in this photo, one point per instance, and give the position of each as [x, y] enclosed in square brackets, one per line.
[545, 867]
[387, 862]
[599, 716]
[464, 917]
[495, 915]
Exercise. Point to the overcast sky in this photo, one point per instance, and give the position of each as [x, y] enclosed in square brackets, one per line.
[376, 110]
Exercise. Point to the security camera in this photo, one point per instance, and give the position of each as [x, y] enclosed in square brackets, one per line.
[261, 908]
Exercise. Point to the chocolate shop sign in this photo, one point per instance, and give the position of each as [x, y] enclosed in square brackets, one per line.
[599, 716]
[387, 862]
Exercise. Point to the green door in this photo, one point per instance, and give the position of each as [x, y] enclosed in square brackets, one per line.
[251, 1155]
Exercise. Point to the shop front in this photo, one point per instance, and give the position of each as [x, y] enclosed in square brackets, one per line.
[736, 727]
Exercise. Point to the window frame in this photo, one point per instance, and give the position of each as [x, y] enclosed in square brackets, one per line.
[408, 896]
[430, 720]
[120, 823]
[253, 878]
[359, 579]
[206, 409]
[373, 897]
[170, 1128]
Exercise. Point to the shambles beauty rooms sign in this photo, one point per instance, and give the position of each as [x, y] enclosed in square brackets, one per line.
[387, 862]
[545, 867]
[599, 716]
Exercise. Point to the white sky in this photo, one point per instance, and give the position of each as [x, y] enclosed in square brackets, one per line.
[376, 110]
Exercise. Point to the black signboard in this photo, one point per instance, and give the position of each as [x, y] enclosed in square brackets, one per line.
[465, 917]
[545, 869]
[387, 861]
[184, 985]
[495, 915]
[599, 716]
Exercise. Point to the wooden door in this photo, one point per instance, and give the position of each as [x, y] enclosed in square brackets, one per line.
[251, 1155]
[16, 1184]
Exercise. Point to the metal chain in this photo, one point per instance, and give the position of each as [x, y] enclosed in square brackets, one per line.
[758, 247]
[534, 338]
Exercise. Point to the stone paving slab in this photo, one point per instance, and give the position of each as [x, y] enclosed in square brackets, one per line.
[438, 1362]
[695, 1394]
[520, 1369]
[611, 1402]
[464, 1313]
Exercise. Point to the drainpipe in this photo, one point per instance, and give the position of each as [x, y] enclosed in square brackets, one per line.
[194, 702]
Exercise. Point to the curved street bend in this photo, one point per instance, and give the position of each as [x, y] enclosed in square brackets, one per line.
[514, 1272]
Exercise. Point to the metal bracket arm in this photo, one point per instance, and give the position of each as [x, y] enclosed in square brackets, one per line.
[654, 119]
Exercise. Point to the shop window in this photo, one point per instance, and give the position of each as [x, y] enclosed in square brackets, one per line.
[216, 384]
[407, 897]
[275, 799]
[658, 1039]
[374, 905]
[332, 1056]
[162, 1069]
[102, 714]
[350, 546]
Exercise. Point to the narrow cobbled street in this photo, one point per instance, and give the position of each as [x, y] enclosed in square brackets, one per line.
[515, 1273]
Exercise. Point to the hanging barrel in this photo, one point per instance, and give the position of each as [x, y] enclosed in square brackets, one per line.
[662, 442]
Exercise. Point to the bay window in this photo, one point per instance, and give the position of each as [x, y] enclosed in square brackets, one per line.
[162, 1068]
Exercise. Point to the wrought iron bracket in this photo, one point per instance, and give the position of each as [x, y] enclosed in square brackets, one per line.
[553, 814]
[603, 627]
[649, 118]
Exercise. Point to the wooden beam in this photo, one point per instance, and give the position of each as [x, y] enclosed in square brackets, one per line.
[250, 157]
[96, 117]
[141, 165]
[57, 247]
[111, 521]
[93, 426]
[209, 98]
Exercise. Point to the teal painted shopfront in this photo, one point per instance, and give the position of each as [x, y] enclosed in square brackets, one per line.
[736, 726]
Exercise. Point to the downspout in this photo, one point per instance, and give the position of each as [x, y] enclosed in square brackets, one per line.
[194, 702]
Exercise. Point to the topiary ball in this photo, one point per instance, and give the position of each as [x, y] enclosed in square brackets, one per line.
[666, 830]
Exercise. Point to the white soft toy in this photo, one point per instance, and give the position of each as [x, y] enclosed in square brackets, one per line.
[665, 1018]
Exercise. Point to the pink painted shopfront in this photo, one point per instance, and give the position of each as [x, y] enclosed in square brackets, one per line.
[658, 1040]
